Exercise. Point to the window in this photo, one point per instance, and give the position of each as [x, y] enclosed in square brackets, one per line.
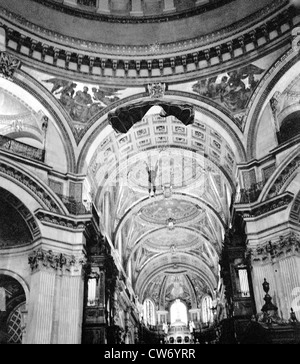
[207, 314]
[179, 312]
[244, 283]
[92, 286]
[149, 313]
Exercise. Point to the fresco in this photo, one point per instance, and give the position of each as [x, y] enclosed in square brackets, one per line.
[231, 89]
[81, 101]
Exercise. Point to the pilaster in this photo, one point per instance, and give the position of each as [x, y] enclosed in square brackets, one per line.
[56, 298]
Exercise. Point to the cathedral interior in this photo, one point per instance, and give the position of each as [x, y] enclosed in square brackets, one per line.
[149, 171]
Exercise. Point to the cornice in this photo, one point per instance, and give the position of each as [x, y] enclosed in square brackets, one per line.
[137, 64]
[63, 222]
[277, 10]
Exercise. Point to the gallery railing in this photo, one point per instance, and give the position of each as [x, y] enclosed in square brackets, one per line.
[22, 149]
[75, 207]
[250, 195]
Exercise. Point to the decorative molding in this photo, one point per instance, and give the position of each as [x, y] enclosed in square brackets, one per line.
[38, 190]
[63, 222]
[157, 90]
[267, 207]
[40, 259]
[284, 247]
[97, 58]
[275, 73]
[8, 65]
[284, 176]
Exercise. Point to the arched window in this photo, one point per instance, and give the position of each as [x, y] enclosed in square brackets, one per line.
[149, 313]
[178, 312]
[207, 314]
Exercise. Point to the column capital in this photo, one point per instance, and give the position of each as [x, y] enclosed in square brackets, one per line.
[57, 262]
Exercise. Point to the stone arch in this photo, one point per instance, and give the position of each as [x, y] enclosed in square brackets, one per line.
[98, 124]
[281, 73]
[18, 278]
[31, 191]
[281, 176]
[55, 112]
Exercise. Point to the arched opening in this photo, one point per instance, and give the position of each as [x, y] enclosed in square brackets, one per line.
[17, 226]
[149, 313]
[178, 312]
[207, 313]
[12, 310]
[290, 127]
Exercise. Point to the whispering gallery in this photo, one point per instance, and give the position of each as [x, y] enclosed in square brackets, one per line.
[149, 172]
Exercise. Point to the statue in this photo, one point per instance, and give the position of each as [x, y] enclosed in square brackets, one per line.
[293, 317]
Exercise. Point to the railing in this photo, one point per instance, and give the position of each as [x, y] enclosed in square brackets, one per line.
[75, 207]
[250, 195]
[22, 149]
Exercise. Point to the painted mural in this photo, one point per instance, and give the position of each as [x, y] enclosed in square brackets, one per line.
[82, 102]
[231, 89]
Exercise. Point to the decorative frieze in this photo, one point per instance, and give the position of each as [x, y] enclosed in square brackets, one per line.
[286, 246]
[8, 65]
[57, 261]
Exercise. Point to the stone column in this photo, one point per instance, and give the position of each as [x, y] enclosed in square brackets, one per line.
[56, 298]
[41, 305]
[169, 6]
[136, 9]
[103, 6]
[70, 308]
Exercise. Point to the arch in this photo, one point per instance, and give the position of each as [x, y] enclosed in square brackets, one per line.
[195, 265]
[21, 183]
[145, 201]
[281, 73]
[56, 112]
[206, 308]
[20, 280]
[149, 312]
[290, 127]
[24, 222]
[98, 124]
[148, 234]
[292, 159]
[179, 311]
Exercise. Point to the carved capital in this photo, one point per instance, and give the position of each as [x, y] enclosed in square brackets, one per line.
[8, 65]
[58, 262]
[284, 247]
